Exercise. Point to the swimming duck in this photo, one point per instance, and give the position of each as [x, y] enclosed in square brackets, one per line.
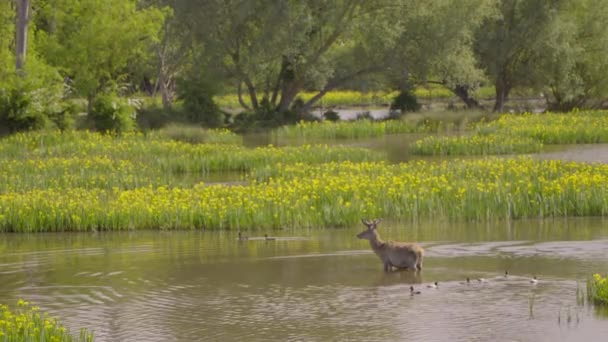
[242, 237]
[506, 274]
[413, 292]
[433, 285]
[534, 280]
[268, 238]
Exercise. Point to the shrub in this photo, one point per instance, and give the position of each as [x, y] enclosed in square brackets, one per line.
[405, 101]
[198, 105]
[597, 289]
[109, 113]
[331, 115]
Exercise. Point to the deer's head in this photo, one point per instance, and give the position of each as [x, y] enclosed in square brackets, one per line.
[370, 233]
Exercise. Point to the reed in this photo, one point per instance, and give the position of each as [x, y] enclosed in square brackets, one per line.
[88, 160]
[597, 289]
[476, 144]
[26, 323]
[352, 129]
[325, 195]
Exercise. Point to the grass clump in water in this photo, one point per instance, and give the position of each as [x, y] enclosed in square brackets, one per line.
[475, 145]
[597, 289]
[27, 323]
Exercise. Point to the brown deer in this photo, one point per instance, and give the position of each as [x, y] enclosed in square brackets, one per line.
[392, 253]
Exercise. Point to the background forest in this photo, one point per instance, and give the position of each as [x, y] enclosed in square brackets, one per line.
[111, 64]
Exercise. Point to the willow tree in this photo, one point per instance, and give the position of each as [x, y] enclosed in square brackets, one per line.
[271, 50]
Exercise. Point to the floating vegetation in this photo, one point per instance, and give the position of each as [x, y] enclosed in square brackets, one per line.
[597, 289]
[27, 323]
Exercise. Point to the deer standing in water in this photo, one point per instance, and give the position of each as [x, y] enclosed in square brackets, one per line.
[392, 253]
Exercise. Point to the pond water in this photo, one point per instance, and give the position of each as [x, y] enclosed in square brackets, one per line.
[316, 285]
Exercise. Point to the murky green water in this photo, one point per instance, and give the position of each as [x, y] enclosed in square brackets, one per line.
[315, 285]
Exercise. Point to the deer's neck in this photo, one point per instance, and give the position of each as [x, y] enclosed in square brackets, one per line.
[376, 242]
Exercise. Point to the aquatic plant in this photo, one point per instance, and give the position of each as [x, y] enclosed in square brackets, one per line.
[475, 145]
[524, 133]
[597, 289]
[351, 129]
[89, 160]
[325, 195]
[27, 323]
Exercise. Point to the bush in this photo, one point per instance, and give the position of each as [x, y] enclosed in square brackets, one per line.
[405, 101]
[331, 115]
[198, 105]
[30, 97]
[109, 113]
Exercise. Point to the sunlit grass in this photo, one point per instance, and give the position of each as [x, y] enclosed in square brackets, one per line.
[597, 289]
[198, 135]
[351, 129]
[27, 323]
[90, 160]
[357, 98]
[524, 133]
[475, 145]
[325, 195]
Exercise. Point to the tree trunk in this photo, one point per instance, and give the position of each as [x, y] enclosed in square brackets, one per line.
[23, 18]
[462, 91]
[502, 95]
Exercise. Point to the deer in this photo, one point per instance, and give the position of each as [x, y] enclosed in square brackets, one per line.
[392, 253]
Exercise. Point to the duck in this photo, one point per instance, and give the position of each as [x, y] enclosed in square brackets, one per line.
[534, 280]
[433, 285]
[482, 280]
[413, 292]
[242, 237]
[268, 238]
[506, 274]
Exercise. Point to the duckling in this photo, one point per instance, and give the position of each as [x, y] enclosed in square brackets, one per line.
[433, 285]
[242, 237]
[534, 281]
[506, 274]
[482, 280]
[413, 292]
[268, 238]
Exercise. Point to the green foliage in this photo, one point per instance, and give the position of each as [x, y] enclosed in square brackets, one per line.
[32, 99]
[198, 135]
[198, 105]
[26, 323]
[597, 289]
[110, 113]
[406, 101]
[331, 115]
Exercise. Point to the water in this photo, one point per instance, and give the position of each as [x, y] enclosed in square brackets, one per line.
[315, 285]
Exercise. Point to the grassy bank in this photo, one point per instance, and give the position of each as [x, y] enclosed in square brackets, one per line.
[27, 324]
[324, 195]
[521, 134]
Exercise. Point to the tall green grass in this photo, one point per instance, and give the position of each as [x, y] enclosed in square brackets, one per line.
[325, 195]
[521, 134]
[27, 324]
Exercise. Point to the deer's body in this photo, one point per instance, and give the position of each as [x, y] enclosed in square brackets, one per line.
[392, 253]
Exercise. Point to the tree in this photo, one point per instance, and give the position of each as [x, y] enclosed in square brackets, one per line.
[512, 44]
[576, 69]
[94, 41]
[23, 19]
[273, 49]
[436, 46]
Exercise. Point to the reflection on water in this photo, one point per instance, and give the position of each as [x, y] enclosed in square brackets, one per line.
[315, 285]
